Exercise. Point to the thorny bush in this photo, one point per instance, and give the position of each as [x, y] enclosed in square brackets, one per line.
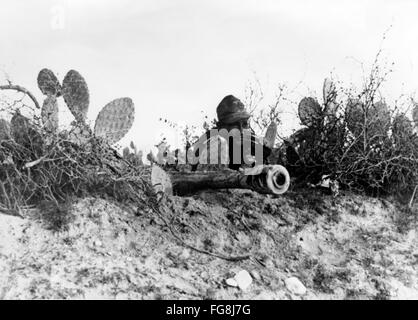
[355, 139]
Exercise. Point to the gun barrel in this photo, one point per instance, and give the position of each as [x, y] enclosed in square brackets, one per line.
[272, 179]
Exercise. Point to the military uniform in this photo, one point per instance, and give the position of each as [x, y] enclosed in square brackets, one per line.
[232, 115]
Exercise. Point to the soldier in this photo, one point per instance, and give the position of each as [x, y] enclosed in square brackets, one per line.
[232, 115]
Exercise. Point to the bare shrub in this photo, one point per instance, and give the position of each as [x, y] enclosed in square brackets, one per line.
[356, 139]
[43, 166]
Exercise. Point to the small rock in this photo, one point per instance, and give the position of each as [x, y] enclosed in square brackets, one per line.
[294, 285]
[243, 279]
[255, 274]
[231, 282]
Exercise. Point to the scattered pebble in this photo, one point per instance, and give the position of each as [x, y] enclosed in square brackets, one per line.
[243, 279]
[294, 285]
[231, 282]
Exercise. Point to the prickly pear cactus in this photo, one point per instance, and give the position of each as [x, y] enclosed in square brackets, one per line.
[48, 83]
[49, 114]
[4, 130]
[378, 119]
[115, 120]
[76, 95]
[355, 116]
[310, 112]
[112, 123]
[137, 158]
[126, 152]
[380, 111]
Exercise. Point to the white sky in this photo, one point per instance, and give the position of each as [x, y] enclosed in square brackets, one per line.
[176, 59]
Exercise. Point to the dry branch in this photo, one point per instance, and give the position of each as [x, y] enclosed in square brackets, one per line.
[23, 90]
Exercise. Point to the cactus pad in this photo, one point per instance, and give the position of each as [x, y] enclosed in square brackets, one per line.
[49, 114]
[378, 119]
[4, 130]
[115, 120]
[48, 83]
[76, 95]
[309, 111]
[376, 122]
[132, 145]
[355, 116]
[126, 152]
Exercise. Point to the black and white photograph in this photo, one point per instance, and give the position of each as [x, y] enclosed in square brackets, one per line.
[209, 154]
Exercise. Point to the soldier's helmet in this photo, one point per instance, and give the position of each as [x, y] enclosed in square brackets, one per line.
[231, 110]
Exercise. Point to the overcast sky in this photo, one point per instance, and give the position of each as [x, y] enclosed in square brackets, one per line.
[176, 59]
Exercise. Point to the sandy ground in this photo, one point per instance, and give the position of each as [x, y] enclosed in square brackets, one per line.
[351, 247]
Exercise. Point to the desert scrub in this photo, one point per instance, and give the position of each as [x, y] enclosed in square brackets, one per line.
[42, 163]
[352, 136]
[357, 140]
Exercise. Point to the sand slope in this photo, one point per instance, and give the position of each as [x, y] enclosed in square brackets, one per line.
[352, 247]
